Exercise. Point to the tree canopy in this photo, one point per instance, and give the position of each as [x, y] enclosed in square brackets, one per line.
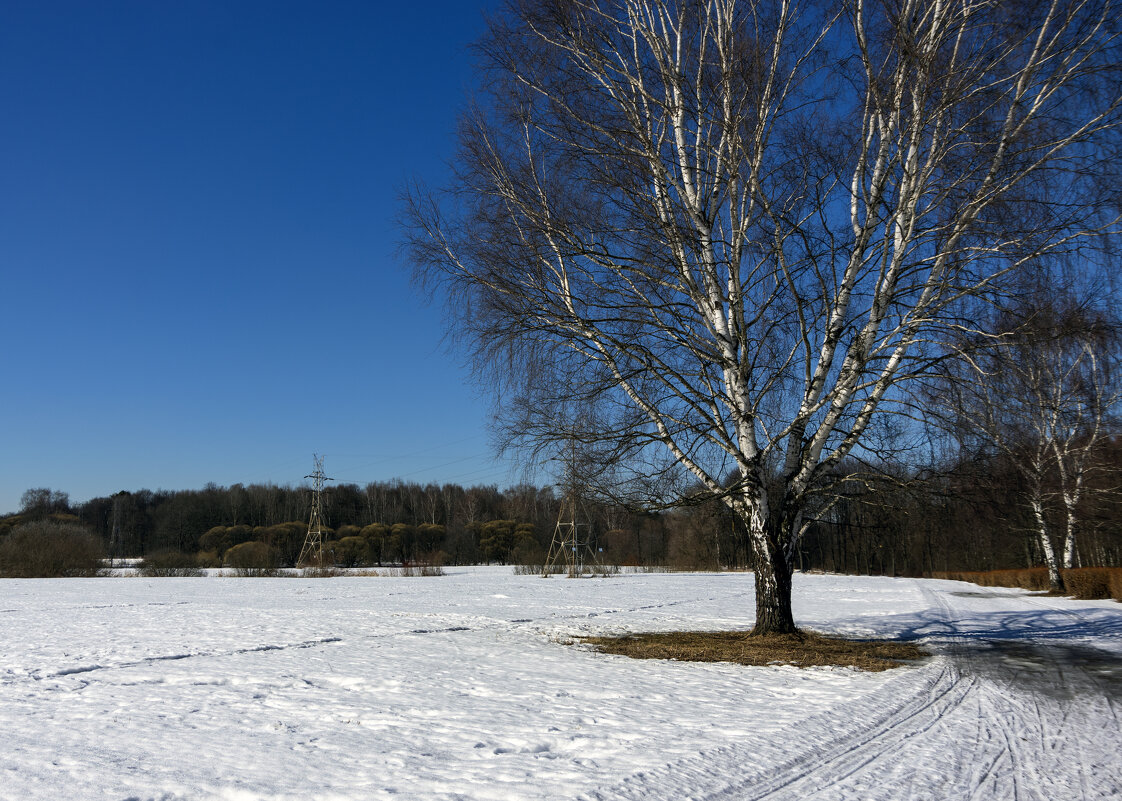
[714, 240]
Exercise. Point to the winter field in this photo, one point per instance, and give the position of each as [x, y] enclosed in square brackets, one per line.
[462, 687]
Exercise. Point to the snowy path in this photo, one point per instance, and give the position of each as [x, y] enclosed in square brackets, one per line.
[1022, 702]
[461, 688]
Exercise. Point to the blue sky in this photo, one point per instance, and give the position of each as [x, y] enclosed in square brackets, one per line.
[197, 244]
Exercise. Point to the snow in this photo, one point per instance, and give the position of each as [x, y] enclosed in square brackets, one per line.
[465, 687]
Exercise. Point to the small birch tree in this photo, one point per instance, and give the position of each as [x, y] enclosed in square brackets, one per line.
[1043, 394]
[715, 236]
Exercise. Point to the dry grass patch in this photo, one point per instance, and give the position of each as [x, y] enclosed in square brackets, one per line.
[1083, 583]
[1031, 578]
[807, 649]
[1091, 583]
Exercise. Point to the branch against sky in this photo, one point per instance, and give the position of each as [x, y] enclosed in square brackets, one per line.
[722, 235]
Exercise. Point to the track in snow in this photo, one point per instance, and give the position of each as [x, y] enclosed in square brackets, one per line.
[442, 623]
[1011, 691]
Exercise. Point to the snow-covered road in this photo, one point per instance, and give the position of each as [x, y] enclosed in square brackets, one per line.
[461, 687]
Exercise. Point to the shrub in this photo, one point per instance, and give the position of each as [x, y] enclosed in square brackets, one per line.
[1033, 578]
[239, 534]
[430, 536]
[1089, 583]
[286, 538]
[318, 572]
[428, 564]
[375, 535]
[170, 563]
[1116, 584]
[253, 559]
[46, 549]
[208, 559]
[374, 531]
[216, 539]
[350, 551]
[529, 554]
[415, 570]
[498, 538]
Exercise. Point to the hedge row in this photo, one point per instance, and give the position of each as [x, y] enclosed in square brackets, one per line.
[1094, 583]
[1084, 583]
[1033, 578]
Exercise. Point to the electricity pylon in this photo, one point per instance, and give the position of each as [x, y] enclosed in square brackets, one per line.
[569, 548]
[115, 536]
[312, 552]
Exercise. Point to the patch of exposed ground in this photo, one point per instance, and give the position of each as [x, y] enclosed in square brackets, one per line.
[806, 649]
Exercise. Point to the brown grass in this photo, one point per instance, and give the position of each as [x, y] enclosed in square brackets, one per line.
[1090, 583]
[808, 649]
[1085, 583]
[1032, 578]
[1116, 585]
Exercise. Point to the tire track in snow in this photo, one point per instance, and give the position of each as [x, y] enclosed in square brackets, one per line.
[753, 770]
[1018, 704]
[1021, 747]
[151, 660]
[553, 619]
[1037, 695]
[1023, 692]
[646, 607]
[490, 624]
[1038, 689]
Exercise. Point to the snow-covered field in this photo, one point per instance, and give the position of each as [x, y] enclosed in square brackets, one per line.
[461, 687]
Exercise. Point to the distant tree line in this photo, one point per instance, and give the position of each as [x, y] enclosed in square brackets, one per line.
[972, 515]
[968, 515]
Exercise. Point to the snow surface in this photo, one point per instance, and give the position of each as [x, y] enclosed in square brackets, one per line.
[463, 687]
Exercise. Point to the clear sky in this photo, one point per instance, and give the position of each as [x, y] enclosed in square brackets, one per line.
[197, 244]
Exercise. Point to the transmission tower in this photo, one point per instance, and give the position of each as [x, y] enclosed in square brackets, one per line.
[115, 535]
[312, 552]
[569, 552]
[569, 549]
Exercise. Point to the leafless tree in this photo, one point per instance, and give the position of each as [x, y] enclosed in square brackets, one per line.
[721, 235]
[1042, 391]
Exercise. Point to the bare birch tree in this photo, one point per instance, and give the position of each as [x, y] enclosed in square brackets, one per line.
[721, 234]
[1043, 392]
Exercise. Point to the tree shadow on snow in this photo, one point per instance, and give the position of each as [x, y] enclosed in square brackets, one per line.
[1048, 651]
